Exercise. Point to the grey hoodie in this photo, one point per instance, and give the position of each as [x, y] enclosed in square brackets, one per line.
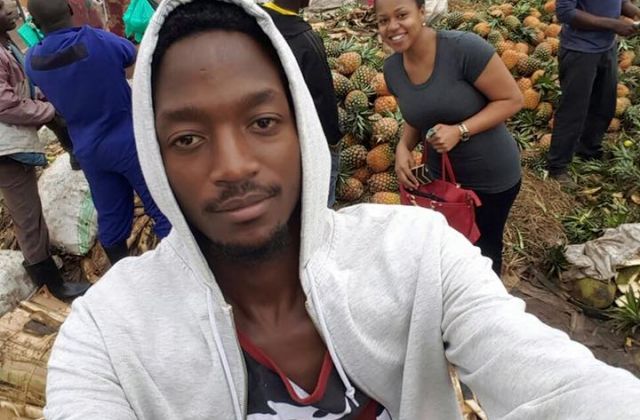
[394, 292]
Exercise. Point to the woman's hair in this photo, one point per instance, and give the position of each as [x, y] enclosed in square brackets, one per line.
[206, 15]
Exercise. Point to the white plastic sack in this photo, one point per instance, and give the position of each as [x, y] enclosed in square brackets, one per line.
[15, 284]
[68, 208]
[435, 8]
[600, 258]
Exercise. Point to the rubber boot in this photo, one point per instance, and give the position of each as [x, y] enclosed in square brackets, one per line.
[116, 252]
[46, 273]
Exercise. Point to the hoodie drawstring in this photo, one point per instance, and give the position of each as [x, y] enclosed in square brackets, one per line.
[350, 390]
[223, 356]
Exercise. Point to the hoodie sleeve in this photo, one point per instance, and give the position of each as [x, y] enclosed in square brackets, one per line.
[519, 367]
[81, 383]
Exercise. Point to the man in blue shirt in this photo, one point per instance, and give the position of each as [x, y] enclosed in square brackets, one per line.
[588, 78]
[81, 70]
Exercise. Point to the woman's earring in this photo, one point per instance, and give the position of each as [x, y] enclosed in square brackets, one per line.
[424, 24]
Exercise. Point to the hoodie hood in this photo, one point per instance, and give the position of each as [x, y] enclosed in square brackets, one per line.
[316, 161]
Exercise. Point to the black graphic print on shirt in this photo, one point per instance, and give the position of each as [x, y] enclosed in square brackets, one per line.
[272, 396]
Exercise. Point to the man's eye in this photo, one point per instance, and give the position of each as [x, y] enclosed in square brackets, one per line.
[265, 123]
[186, 141]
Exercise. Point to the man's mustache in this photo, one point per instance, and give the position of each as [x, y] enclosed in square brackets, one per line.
[240, 190]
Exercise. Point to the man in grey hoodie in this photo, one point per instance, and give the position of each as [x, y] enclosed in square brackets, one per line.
[264, 304]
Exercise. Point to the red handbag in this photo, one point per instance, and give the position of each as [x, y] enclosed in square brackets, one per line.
[447, 197]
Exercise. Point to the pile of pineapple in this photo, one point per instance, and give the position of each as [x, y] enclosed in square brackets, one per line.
[370, 121]
[525, 34]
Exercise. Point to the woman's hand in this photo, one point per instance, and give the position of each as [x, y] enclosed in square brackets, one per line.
[404, 163]
[446, 137]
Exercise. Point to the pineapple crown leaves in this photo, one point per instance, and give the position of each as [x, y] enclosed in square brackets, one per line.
[632, 118]
[358, 124]
[626, 318]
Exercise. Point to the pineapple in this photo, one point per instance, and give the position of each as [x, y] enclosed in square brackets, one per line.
[543, 51]
[385, 198]
[349, 190]
[332, 62]
[622, 90]
[553, 30]
[349, 140]
[332, 48]
[356, 100]
[455, 19]
[507, 8]
[622, 104]
[524, 84]
[383, 181]
[353, 157]
[362, 77]
[495, 38]
[504, 46]
[385, 104]
[633, 72]
[626, 59]
[470, 16]
[614, 125]
[380, 158]
[535, 13]
[482, 29]
[496, 12]
[531, 99]
[341, 84]
[544, 111]
[528, 65]
[550, 7]
[348, 63]
[531, 22]
[362, 174]
[384, 129]
[343, 120]
[537, 75]
[555, 45]
[522, 47]
[539, 36]
[544, 144]
[512, 22]
[379, 85]
[510, 58]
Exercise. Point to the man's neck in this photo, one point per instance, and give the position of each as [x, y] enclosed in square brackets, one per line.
[262, 291]
[57, 26]
[5, 39]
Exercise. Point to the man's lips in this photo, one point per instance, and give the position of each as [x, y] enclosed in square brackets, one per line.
[238, 203]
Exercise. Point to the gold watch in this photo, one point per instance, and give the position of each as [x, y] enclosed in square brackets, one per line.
[464, 132]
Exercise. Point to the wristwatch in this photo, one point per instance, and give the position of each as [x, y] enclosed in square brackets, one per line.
[464, 132]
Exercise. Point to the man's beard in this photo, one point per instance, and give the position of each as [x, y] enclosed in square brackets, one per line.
[278, 241]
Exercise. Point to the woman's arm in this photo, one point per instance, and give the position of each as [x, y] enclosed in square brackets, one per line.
[404, 159]
[498, 86]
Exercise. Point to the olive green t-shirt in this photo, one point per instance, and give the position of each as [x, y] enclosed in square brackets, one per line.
[490, 161]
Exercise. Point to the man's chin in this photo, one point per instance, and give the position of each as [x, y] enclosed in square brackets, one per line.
[253, 251]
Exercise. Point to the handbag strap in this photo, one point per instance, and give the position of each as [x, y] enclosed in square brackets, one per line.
[447, 168]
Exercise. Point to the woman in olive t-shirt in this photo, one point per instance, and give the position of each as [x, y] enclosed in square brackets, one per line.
[454, 81]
